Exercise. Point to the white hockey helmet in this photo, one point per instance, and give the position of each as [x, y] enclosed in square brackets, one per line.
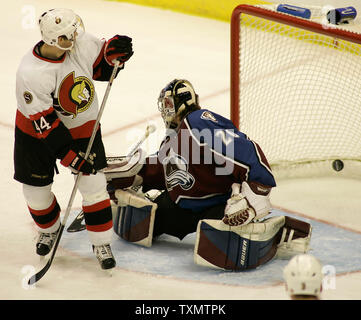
[59, 22]
[303, 276]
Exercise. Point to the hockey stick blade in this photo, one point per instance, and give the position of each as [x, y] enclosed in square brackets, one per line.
[37, 276]
[77, 224]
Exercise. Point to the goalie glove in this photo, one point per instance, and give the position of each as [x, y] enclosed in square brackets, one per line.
[252, 203]
[122, 172]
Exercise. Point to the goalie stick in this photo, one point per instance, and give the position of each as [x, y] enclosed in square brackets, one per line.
[77, 225]
[37, 276]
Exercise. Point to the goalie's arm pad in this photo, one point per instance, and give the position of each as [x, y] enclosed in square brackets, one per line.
[256, 167]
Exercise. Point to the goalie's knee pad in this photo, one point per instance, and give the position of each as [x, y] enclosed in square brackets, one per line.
[134, 220]
[246, 247]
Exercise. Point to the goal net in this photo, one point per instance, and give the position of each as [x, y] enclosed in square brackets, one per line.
[296, 90]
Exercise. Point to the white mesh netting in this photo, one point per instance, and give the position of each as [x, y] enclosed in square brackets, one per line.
[300, 97]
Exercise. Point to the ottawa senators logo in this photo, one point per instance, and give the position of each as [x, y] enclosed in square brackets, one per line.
[75, 94]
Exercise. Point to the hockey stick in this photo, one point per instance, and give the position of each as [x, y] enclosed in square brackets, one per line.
[76, 225]
[36, 277]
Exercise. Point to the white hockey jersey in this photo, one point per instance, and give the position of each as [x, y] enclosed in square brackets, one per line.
[64, 86]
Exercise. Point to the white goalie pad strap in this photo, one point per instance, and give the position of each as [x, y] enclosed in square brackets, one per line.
[123, 167]
[134, 220]
[295, 239]
[224, 247]
[131, 198]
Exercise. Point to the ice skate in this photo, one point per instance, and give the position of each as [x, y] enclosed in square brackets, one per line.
[105, 256]
[45, 243]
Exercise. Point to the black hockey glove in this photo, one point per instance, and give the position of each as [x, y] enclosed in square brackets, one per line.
[76, 162]
[118, 48]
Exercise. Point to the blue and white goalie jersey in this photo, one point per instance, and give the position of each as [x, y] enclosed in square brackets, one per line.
[199, 163]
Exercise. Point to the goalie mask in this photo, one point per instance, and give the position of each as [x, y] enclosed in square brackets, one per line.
[57, 23]
[176, 99]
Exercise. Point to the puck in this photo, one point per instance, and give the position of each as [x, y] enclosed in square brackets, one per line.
[337, 165]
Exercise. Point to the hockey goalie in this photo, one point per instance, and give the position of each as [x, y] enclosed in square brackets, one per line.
[209, 178]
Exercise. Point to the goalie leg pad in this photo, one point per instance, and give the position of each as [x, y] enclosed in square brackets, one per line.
[135, 221]
[236, 248]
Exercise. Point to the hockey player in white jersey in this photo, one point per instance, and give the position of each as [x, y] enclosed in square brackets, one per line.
[303, 277]
[57, 107]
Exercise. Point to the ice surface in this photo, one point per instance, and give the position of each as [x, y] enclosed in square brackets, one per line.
[171, 257]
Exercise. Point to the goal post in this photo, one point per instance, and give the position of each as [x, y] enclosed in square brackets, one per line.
[296, 90]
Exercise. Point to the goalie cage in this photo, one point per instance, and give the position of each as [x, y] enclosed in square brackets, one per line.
[296, 90]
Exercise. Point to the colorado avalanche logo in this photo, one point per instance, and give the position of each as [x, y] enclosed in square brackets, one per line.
[75, 95]
[206, 115]
[176, 172]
